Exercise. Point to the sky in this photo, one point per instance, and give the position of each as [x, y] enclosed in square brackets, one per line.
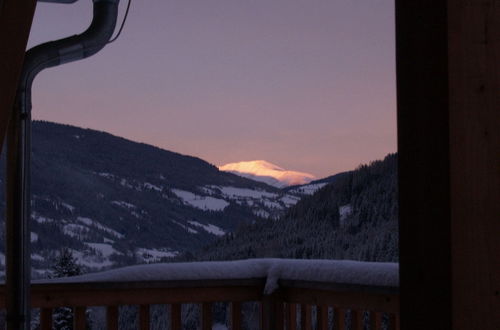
[307, 85]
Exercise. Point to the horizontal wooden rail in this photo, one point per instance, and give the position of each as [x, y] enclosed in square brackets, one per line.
[295, 301]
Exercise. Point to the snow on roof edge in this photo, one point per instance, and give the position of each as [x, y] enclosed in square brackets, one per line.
[380, 274]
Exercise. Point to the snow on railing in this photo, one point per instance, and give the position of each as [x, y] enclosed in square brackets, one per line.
[288, 291]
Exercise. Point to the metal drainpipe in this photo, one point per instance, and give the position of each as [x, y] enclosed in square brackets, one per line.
[50, 54]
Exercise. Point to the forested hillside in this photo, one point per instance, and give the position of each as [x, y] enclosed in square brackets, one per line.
[356, 217]
[116, 202]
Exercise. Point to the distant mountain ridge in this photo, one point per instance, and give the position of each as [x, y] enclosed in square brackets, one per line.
[117, 202]
[353, 216]
[264, 171]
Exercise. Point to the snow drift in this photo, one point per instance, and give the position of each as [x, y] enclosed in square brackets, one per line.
[322, 271]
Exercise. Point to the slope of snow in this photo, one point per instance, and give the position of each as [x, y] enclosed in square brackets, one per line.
[33, 237]
[201, 202]
[155, 255]
[308, 189]
[261, 213]
[91, 261]
[271, 204]
[380, 274]
[125, 183]
[69, 207]
[344, 212]
[233, 192]
[90, 222]
[151, 186]
[37, 257]
[219, 326]
[261, 178]
[261, 170]
[40, 219]
[75, 230]
[123, 204]
[189, 230]
[105, 249]
[212, 229]
[290, 200]
[106, 175]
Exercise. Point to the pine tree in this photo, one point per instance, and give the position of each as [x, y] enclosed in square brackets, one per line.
[65, 265]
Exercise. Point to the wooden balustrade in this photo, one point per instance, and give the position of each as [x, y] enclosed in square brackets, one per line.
[311, 305]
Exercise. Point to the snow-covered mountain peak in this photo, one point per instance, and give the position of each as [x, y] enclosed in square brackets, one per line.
[264, 171]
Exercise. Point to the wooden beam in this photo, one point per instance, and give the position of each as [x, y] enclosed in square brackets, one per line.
[375, 321]
[112, 313]
[355, 300]
[70, 295]
[423, 155]
[176, 316]
[448, 80]
[322, 317]
[474, 116]
[235, 315]
[267, 317]
[339, 321]
[279, 310]
[206, 316]
[144, 317]
[305, 317]
[15, 24]
[357, 320]
[291, 316]
[79, 318]
[46, 319]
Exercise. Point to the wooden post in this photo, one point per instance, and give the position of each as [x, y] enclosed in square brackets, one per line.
[206, 316]
[280, 314]
[449, 180]
[394, 322]
[322, 317]
[267, 317]
[375, 321]
[423, 154]
[357, 320]
[112, 318]
[235, 315]
[306, 317]
[175, 317]
[79, 318]
[474, 120]
[46, 319]
[144, 317]
[291, 316]
[339, 319]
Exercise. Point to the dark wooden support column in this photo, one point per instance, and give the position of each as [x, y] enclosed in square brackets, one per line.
[449, 175]
[15, 24]
[423, 146]
[474, 64]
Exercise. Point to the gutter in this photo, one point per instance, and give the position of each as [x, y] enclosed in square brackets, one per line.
[17, 234]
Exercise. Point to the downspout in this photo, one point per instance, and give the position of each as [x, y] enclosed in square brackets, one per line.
[50, 54]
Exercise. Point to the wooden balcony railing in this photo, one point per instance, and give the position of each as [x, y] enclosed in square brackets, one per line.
[290, 306]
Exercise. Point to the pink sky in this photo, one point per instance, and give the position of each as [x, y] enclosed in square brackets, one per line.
[306, 85]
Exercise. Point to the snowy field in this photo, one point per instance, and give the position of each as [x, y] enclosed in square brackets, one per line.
[308, 189]
[201, 202]
[212, 229]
